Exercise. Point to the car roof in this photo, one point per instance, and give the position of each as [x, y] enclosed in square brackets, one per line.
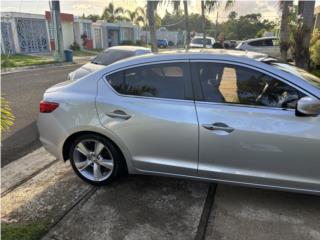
[191, 54]
[127, 48]
[202, 37]
[258, 39]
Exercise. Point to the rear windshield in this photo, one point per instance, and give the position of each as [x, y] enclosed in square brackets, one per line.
[110, 56]
[308, 77]
[200, 41]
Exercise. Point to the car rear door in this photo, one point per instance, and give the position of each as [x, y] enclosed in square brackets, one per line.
[248, 131]
[151, 109]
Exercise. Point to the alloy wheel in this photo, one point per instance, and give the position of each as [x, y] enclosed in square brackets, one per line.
[93, 160]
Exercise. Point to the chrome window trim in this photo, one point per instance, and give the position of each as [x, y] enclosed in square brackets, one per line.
[104, 77]
[244, 106]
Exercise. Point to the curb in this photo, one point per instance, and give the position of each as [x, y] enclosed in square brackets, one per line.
[50, 65]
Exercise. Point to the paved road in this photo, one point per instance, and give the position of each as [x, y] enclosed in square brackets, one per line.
[24, 90]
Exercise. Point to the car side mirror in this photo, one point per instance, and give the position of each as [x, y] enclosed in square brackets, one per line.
[92, 58]
[308, 106]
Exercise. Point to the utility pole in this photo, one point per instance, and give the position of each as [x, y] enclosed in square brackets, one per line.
[217, 25]
[57, 30]
[203, 13]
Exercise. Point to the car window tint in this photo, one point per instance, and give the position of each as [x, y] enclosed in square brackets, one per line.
[110, 56]
[268, 42]
[257, 43]
[200, 41]
[224, 83]
[160, 80]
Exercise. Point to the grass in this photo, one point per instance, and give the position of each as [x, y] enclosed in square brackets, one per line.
[316, 72]
[84, 53]
[23, 231]
[19, 60]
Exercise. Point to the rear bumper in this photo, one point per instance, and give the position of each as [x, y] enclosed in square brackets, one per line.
[52, 134]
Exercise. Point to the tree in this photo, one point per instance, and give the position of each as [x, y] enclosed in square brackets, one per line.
[232, 15]
[176, 8]
[112, 14]
[245, 27]
[175, 22]
[302, 35]
[151, 7]
[284, 28]
[134, 16]
[208, 6]
[92, 17]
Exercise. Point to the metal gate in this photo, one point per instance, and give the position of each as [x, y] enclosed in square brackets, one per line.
[32, 35]
[97, 37]
[7, 46]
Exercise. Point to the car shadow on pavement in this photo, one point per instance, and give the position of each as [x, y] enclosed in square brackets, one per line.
[19, 144]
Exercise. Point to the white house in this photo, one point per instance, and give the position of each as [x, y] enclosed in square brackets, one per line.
[111, 34]
[83, 27]
[24, 33]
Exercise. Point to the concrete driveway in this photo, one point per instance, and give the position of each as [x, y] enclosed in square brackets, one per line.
[149, 207]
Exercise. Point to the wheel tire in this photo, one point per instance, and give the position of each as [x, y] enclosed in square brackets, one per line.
[118, 161]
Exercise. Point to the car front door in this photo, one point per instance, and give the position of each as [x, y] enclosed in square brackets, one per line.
[248, 131]
[151, 109]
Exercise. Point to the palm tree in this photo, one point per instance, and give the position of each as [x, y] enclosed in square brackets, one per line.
[151, 7]
[134, 16]
[303, 35]
[142, 16]
[208, 6]
[112, 14]
[176, 8]
[284, 28]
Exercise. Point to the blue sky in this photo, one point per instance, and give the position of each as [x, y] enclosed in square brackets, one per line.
[268, 9]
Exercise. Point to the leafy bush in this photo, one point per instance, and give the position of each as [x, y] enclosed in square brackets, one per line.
[7, 118]
[75, 46]
[127, 42]
[170, 43]
[315, 49]
[140, 43]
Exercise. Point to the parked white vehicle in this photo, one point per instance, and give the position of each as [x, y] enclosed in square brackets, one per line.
[197, 42]
[108, 56]
[267, 45]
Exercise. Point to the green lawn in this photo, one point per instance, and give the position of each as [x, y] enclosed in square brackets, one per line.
[23, 231]
[20, 60]
[83, 53]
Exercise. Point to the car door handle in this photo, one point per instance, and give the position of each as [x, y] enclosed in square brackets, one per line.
[218, 126]
[118, 114]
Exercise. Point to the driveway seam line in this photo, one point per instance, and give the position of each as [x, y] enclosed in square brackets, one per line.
[202, 227]
[81, 200]
[10, 189]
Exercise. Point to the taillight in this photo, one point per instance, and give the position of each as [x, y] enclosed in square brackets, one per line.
[48, 107]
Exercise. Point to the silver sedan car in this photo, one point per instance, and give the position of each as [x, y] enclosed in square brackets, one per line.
[222, 116]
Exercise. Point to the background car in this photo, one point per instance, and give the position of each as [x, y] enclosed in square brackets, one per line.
[268, 45]
[162, 43]
[224, 116]
[108, 56]
[197, 42]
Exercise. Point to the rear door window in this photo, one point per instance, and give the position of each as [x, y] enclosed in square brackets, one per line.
[168, 80]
